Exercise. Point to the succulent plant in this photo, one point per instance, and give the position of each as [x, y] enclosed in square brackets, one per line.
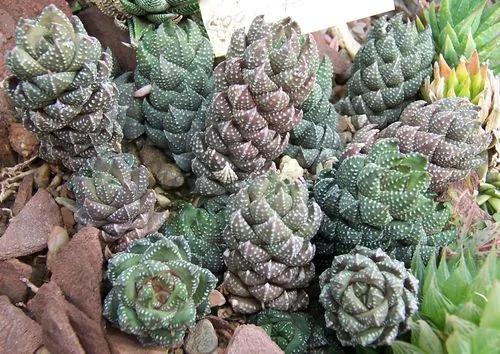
[61, 84]
[268, 73]
[460, 306]
[203, 232]
[176, 62]
[368, 297]
[131, 118]
[290, 330]
[388, 71]
[269, 250]
[476, 82]
[489, 194]
[448, 132]
[156, 11]
[112, 194]
[157, 293]
[460, 27]
[315, 139]
[380, 199]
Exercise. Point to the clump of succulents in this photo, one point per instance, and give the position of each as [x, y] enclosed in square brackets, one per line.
[203, 232]
[61, 85]
[269, 251]
[474, 81]
[460, 306]
[157, 293]
[175, 62]
[267, 75]
[112, 193]
[388, 71]
[380, 199]
[368, 297]
[448, 132]
[130, 118]
[460, 27]
[315, 139]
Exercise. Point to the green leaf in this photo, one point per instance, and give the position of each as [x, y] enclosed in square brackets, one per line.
[400, 347]
[491, 314]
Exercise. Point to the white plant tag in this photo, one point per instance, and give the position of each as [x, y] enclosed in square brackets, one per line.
[222, 17]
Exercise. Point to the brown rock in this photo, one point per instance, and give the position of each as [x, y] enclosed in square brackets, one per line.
[42, 176]
[68, 218]
[121, 343]
[24, 194]
[11, 12]
[216, 298]
[19, 334]
[105, 30]
[250, 339]
[77, 269]
[58, 238]
[7, 158]
[27, 232]
[22, 140]
[11, 272]
[201, 340]
[66, 329]
[167, 174]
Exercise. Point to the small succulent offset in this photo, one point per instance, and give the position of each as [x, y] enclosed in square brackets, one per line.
[315, 139]
[268, 73]
[460, 27]
[176, 62]
[448, 132]
[112, 194]
[203, 232]
[368, 297]
[269, 250]
[388, 71]
[460, 306]
[157, 293]
[489, 194]
[290, 330]
[61, 84]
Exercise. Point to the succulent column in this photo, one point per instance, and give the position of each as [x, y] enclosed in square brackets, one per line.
[269, 72]
[388, 70]
[61, 84]
[269, 250]
[175, 62]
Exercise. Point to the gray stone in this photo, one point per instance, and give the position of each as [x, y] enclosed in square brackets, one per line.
[202, 340]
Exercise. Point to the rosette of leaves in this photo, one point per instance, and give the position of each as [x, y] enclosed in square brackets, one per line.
[474, 81]
[269, 250]
[315, 139]
[388, 71]
[203, 232]
[112, 193]
[368, 297]
[130, 118]
[460, 27]
[460, 306]
[61, 84]
[380, 199]
[448, 132]
[268, 74]
[175, 62]
[157, 293]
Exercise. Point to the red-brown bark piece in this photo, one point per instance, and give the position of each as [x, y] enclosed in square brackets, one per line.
[24, 194]
[22, 141]
[77, 269]
[27, 232]
[19, 334]
[247, 338]
[11, 273]
[66, 329]
[121, 343]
